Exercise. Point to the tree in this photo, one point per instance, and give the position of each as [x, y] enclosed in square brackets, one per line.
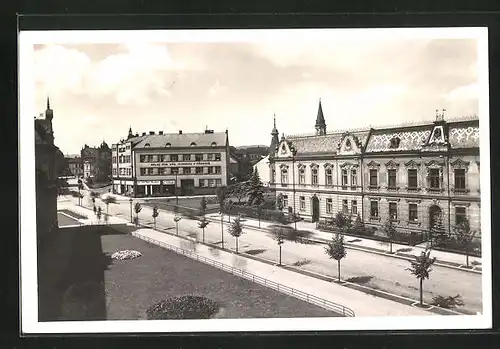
[94, 195]
[236, 230]
[359, 225]
[203, 206]
[155, 214]
[336, 250]
[203, 224]
[279, 202]
[239, 190]
[255, 189]
[340, 221]
[279, 232]
[227, 208]
[390, 231]
[421, 268]
[137, 209]
[109, 200]
[438, 234]
[464, 236]
[177, 218]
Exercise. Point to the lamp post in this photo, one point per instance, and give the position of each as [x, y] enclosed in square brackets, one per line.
[292, 149]
[131, 219]
[175, 188]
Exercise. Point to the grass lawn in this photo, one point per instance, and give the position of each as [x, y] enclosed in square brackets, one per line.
[80, 281]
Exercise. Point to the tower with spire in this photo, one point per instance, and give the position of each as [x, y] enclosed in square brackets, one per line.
[130, 134]
[274, 139]
[49, 114]
[320, 122]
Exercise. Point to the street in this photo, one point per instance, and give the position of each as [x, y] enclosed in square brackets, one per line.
[381, 272]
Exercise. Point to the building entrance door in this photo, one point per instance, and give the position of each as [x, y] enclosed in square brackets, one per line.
[315, 208]
[187, 186]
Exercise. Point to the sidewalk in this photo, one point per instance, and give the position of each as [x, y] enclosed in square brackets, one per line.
[446, 259]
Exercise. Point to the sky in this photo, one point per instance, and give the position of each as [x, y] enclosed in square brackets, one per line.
[98, 91]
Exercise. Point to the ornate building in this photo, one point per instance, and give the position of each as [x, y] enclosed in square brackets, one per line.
[96, 162]
[408, 174]
[46, 176]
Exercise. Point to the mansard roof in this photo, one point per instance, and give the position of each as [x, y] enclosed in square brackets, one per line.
[177, 140]
[409, 139]
[464, 135]
[313, 144]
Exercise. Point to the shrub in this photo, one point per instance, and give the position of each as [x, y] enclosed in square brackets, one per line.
[183, 307]
[448, 302]
[302, 262]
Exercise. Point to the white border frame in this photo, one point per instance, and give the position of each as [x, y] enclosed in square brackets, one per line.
[28, 266]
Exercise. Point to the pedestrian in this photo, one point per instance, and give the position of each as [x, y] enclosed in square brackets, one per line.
[95, 210]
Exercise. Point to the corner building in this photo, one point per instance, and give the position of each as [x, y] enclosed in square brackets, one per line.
[167, 164]
[409, 174]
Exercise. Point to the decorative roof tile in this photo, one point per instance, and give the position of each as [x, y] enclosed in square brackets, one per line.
[464, 136]
[322, 144]
[413, 139]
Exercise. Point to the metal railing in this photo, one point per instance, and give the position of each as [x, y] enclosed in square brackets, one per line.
[335, 307]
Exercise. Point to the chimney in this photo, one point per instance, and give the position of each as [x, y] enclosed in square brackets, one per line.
[209, 131]
[144, 133]
[151, 133]
[160, 132]
[180, 132]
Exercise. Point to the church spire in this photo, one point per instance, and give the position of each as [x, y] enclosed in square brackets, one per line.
[130, 134]
[274, 139]
[49, 114]
[320, 121]
[48, 103]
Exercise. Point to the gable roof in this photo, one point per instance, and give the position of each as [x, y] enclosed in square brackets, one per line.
[177, 140]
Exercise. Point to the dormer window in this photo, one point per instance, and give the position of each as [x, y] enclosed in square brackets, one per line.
[147, 145]
[193, 144]
[168, 145]
[214, 144]
[348, 144]
[394, 142]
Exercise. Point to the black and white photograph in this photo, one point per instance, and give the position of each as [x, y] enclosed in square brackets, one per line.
[254, 180]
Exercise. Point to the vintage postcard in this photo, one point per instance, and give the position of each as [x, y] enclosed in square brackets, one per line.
[254, 180]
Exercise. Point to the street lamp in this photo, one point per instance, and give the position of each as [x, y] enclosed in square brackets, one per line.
[131, 219]
[80, 186]
[176, 172]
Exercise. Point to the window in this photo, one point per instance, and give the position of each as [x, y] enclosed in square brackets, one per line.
[393, 210]
[329, 176]
[354, 178]
[302, 203]
[373, 178]
[460, 179]
[211, 183]
[434, 178]
[193, 144]
[218, 169]
[217, 156]
[354, 207]
[413, 212]
[162, 170]
[329, 206]
[114, 172]
[284, 176]
[201, 183]
[174, 157]
[161, 158]
[199, 170]
[345, 208]
[210, 157]
[214, 144]
[412, 179]
[174, 170]
[198, 157]
[302, 175]
[314, 176]
[460, 215]
[143, 171]
[218, 182]
[147, 145]
[374, 209]
[168, 145]
[186, 157]
[186, 170]
[344, 179]
[210, 170]
[391, 176]
[285, 201]
[114, 159]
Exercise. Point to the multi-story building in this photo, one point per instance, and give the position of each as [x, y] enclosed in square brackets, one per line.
[75, 165]
[96, 162]
[408, 173]
[166, 164]
[46, 176]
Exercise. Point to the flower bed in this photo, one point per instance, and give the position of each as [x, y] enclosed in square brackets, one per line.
[183, 307]
[126, 254]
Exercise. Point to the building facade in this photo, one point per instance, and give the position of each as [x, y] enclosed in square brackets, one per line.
[75, 165]
[170, 164]
[96, 162]
[46, 177]
[408, 174]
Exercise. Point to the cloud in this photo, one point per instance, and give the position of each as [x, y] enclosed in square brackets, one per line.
[217, 88]
[463, 92]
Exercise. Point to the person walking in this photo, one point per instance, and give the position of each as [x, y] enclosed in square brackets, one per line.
[95, 210]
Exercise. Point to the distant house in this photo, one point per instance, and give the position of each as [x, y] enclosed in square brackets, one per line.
[263, 169]
[75, 165]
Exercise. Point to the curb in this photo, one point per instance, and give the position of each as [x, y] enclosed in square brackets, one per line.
[366, 249]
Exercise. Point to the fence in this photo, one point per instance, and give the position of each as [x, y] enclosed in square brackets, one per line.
[335, 307]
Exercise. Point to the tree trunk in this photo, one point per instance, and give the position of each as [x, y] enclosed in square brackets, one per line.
[236, 245]
[467, 257]
[155, 222]
[421, 292]
[177, 228]
[280, 255]
[222, 230]
[338, 267]
[203, 235]
[390, 244]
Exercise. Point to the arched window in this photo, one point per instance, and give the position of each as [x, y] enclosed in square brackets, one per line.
[214, 144]
[193, 144]
[147, 145]
[167, 145]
